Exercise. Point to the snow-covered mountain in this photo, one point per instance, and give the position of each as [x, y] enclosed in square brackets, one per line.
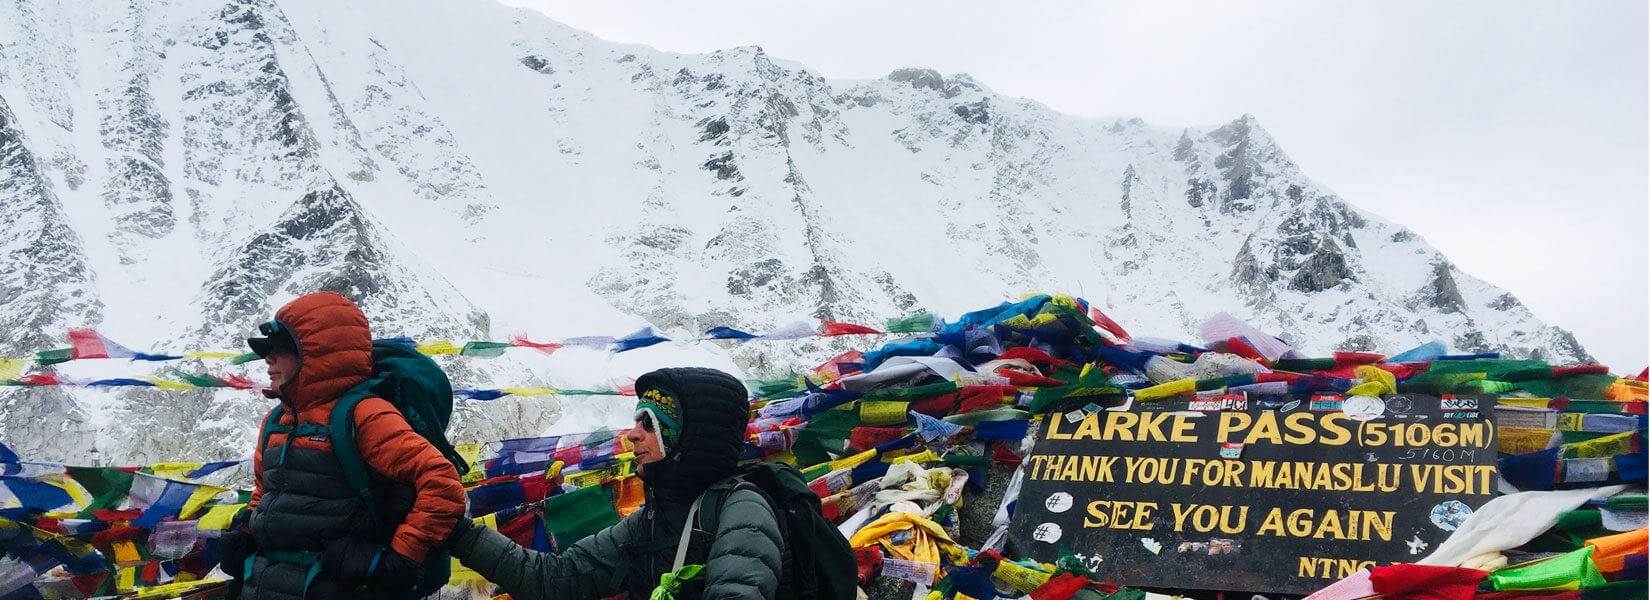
[173, 170]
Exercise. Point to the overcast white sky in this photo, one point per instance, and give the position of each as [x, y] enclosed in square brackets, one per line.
[1513, 135]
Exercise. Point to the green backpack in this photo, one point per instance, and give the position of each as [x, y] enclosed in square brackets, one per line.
[818, 563]
[419, 389]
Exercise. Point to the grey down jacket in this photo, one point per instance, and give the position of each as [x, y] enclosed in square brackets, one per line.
[744, 557]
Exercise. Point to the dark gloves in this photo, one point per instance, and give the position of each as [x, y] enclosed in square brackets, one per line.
[233, 548]
[358, 562]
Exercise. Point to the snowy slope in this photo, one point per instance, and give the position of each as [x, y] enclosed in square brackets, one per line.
[172, 171]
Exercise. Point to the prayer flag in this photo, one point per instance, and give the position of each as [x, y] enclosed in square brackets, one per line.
[830, 328]
[484, 349]
[522, 342]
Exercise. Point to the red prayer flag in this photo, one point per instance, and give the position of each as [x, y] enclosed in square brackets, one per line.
[40, 379]
[866, 438]
[1422, 582]
[938, 407]
[1109, 326]
[238, 382]
[976, 397]
[832, 328]
[87, 344]
[1344, 359]
[521, 341]
[1581, 370]
[1059, 587]
[1242, 348]
[833, 367]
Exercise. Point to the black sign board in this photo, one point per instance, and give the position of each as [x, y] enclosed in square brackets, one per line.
[1283, 494]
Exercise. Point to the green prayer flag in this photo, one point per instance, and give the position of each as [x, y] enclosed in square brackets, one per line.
[814, 446]
[1574, 570]
[918, 323]
[1304, 365]
[840, 419]
[769, 389]
[917, 393]
[578, 514]
[484, 349]
[108, 486]
[206, 381]
[52, 357]
[245, 358]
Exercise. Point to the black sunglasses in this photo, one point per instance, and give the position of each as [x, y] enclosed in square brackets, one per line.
[645, 420]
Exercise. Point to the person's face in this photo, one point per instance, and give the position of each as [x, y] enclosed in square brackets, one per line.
[644, 441]
[282, 365]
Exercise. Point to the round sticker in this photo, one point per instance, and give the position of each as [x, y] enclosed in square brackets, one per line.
[1058, 502]
[1047, 533]
[1363, 408]
[1400, 405]
[1449, 515]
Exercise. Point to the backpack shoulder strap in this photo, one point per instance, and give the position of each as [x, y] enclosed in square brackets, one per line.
[349, 455]
[270, 422]
[710, 517]
[705, 515]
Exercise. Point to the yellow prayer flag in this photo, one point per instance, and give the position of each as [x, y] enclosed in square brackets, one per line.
[1610, 445]
[126, 579]
[1524, 440]
[783, 457]
[174, 470]
[471, 453]
[126, 553]
[69, 485]
[218, 517]
[212, 354]
[12, 368]
[925, 456]
[1017, 322]
[1022, 578]
[1524, 402]
[489, 521]
[199, 498]
[1377, 381]
[1165, 390]
[878, 413]
[438, 347]
[850, 462]
[175, 589]
[530, 391]
[167, 384]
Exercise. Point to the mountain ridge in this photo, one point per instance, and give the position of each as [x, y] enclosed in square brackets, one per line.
[470, 172]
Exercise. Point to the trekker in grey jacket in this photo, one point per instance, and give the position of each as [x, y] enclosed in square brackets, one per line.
[690, 429]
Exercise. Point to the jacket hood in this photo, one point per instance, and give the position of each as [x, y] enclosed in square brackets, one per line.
[334, 348]
[715, 411]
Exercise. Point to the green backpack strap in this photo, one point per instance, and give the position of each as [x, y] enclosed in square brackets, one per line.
[349, 455]
[710, 513]
[270, 423]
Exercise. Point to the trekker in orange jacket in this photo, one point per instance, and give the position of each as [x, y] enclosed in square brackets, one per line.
[310, 535]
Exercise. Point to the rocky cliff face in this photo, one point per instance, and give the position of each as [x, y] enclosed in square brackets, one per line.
[174, 171]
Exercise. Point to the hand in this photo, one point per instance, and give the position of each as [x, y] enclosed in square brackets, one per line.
[356, 561]
[233, 548]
